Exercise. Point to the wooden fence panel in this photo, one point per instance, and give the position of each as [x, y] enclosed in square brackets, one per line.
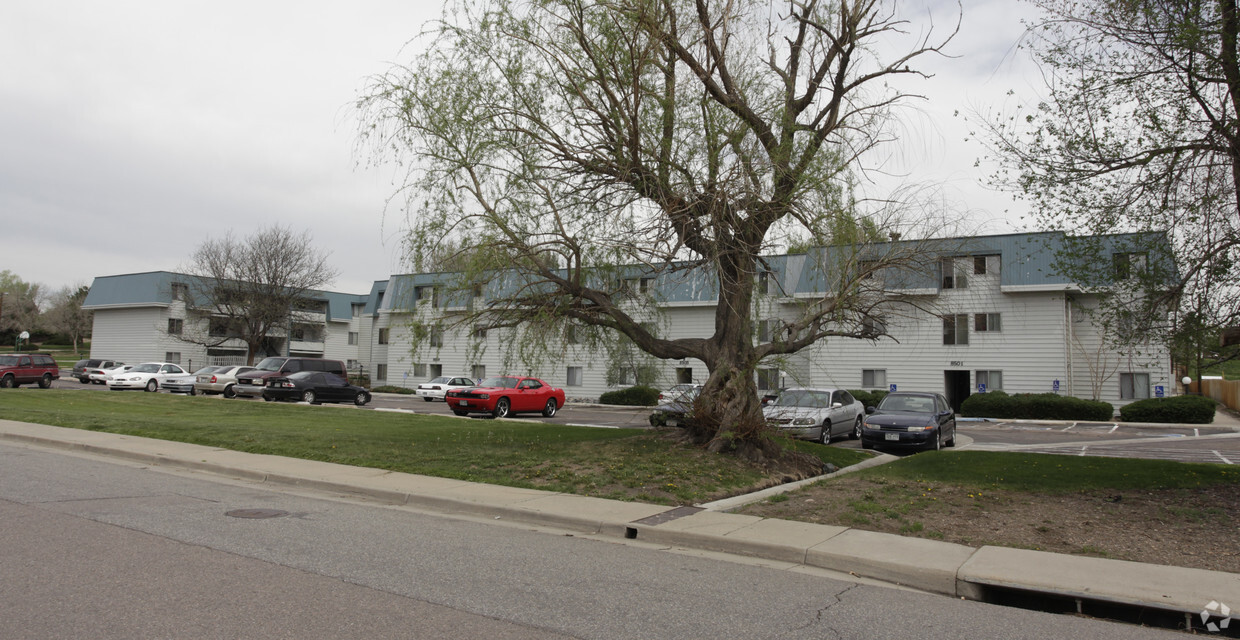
[1224, 391]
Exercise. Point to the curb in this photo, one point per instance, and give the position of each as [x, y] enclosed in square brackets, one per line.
[950, 569]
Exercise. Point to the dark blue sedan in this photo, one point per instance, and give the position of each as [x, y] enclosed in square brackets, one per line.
[910, 419]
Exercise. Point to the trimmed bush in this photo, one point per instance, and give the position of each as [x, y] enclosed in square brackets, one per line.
[1034, 406]
[868, 398]
[1179, 409]
[638, 396]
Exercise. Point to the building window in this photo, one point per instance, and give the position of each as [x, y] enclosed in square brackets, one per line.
[426, 294]
[175, 325]
[1128, 265]
[1134, 386]
[381, 372]
[768, 379]
[874, 378]
[436, 370]
[983, 265]
[953, 278]
[570, 335]
[764, 282]
[956, 329]
[684, 375]
[480, 333]
[419, 370]
[626, 376]
[352, 365]
[873, 327]
[764, 331]
[357, 309]
[180, 291]
[437, 336]
[352, 337]
[478, 371]
[988, 322]
[383, 336]
[574, 377]
[173, 356]
[989, 381]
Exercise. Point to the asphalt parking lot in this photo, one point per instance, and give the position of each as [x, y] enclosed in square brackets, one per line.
[1215, 443]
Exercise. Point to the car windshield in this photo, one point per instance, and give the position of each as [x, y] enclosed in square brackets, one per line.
[804, 398]
[271, 364]
[150, 367]
[689, 395]
[208, 370]
[8, 361]
[910, 404]
[301, 375]
[502, 381]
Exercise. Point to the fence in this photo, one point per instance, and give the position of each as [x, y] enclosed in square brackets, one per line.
[1224, 391]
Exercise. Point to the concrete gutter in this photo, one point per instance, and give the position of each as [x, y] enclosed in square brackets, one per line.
[929, 565]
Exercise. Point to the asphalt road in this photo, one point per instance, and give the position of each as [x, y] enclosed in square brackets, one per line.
[105, 549]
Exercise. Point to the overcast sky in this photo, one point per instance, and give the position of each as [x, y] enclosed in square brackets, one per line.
[133, 130]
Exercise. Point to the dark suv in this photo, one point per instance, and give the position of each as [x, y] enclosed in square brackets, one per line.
[251, 383]
[23, 368]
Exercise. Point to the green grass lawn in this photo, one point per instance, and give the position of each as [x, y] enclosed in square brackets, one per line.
[625, 464]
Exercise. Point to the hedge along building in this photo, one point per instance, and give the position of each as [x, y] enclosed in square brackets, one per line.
[157, 316]
[1022, 313]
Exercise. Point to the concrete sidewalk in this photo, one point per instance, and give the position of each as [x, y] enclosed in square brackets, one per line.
[985, 573]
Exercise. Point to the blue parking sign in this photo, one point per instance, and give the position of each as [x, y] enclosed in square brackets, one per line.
[893, 388]
[981, 387]
[1158, 391]
[1055, 385]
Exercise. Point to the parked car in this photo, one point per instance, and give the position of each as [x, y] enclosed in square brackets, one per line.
[816, 414]
[81, 367]
[676, 411]
[437, 388]
[221, 381]
[148, 375]
[314, 387]
[503, 396]
[185, 384]
[910, 419]
[100, 376]
[24, 368]
[250, 384]
[771, 395]
[675, 391]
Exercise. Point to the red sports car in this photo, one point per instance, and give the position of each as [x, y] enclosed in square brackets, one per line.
[506, 395]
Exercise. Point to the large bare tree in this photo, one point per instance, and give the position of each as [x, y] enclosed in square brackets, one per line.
[251, 289]
[65, 314]
[572, 150]
[1137, 129]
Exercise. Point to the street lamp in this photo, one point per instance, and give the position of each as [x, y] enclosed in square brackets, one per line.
[1187, 381]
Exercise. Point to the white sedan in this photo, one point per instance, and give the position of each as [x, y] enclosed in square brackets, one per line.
[100, 376]
[437, 388]
[148, 376]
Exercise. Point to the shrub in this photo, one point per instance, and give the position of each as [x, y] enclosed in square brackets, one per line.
[1036, 406]
[638, 396]
[1181, 409]
[868, 398]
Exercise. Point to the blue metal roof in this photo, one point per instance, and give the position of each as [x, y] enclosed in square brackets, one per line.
[154, 288]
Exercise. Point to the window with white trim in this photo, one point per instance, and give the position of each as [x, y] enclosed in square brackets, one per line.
[574, 377]
[383, 335]
[956, 329]
[175, 326]
[1134, 386]
[478, 371]
[381, 372]
[986, 322]
[768, 379]
[874, 378]
[419, 369]
[352, 337]
[992, 379]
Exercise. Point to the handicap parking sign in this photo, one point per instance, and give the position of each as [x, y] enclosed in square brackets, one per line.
[981, 387]
[1055, 386]
[893, 388]
[1158, 391]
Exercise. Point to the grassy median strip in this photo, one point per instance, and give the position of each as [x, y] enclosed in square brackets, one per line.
[624, 464]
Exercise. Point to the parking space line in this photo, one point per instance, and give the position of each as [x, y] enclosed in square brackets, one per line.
[1113, 428]
[1221, 457]
[1082, 453]
[1069, 427]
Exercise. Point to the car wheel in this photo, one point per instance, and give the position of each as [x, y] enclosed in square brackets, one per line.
[938, 440]
[151, 385]
[428, 398]
[45, 381]
[268, 399]
[193, 391]
[84, 380]
[308, 397]
[460, 413]
[549, 410]
[229, 392]
[855, 434]
[951, 442]
[361, 399]
[501, 408]
[825, 436]
[8, 382]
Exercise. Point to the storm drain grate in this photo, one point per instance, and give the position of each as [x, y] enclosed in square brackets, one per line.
[256, 514]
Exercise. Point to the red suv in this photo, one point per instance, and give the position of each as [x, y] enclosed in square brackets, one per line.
[23, 368]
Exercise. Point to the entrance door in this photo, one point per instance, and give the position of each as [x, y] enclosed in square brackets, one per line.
[956, 388]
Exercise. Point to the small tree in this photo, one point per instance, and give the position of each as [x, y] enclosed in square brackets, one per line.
[251, 289]
[19, 306]
[65, 314]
